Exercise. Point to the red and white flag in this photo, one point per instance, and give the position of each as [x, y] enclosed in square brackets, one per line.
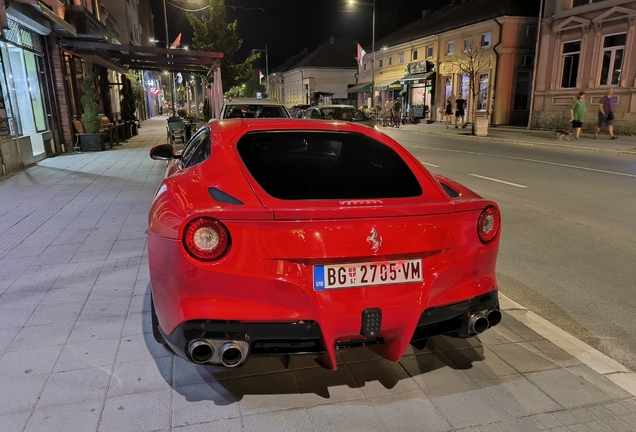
[260, 76]
[176, 42]
[361, 54]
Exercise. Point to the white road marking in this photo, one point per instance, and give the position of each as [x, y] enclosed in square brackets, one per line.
[429, 164]
[498, 181]
[526, 159]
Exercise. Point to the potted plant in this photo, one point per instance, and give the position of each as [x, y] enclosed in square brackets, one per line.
[91, 140]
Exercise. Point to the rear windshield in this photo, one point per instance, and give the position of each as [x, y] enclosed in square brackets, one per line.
[255, 111]
[326, 165]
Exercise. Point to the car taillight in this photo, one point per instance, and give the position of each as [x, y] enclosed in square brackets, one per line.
[206, 239]
[488, 224]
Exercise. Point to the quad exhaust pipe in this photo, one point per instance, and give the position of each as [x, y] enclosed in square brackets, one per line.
[229, 353]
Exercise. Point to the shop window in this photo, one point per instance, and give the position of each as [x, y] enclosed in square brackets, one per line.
[482, 101]
[465, 86]
[613, 50]
[34, 71]
[448, 89]
[414, 55]
[571, 53]
[429, 51]
[522, 91]
[450, 48]
[485, 40]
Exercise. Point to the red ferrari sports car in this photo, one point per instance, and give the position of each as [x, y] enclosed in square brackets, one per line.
[282, 237]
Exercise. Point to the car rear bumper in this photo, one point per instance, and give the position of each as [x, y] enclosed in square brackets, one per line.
[306, 337]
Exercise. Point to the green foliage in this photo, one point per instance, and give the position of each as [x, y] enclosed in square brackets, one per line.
[249, 89]
[216, 35]
[90, 118]
[182, 112]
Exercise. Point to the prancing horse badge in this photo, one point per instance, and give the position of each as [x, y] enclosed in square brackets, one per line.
[374, 240]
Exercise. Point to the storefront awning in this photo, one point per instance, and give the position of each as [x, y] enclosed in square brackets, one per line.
[360, 88]
[417, 78]
[144, 57]
[58, 23]
[388, 84]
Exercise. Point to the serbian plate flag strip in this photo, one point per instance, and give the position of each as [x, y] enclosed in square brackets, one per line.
[361, 54]
[176, 42]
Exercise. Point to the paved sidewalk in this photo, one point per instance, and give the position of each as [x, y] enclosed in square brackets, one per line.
[623, 146]
[77, 353]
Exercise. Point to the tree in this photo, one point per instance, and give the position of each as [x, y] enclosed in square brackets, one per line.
[90, 117]
[216, 35]
[249, 89]
[473, 61]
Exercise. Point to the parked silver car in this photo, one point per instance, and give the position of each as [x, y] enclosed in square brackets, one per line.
[253, 108]
[338, 112]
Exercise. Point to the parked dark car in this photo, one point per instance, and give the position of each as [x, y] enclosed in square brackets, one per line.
[338, 112]
[297, 111]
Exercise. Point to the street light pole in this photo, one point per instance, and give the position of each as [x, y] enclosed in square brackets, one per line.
[372, 61]
[172, 88]
[372, 49]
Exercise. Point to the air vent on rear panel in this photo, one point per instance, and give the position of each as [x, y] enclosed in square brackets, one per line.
[220, 196]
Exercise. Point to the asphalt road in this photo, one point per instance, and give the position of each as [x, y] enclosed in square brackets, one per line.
[568, 247]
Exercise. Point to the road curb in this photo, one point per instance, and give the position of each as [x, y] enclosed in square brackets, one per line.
[528, 143]
[611, 369]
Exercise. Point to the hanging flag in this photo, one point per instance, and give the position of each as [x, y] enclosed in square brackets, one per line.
[260, 76]
[179, 78]
[361, 54]
[176, 42]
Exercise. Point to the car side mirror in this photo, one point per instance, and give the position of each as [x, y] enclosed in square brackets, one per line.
[162, 152]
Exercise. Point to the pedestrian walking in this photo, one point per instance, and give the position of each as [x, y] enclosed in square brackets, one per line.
[606, 114]
[388, 111]
[397, 112]
[448, 112]
[460, 103]
[577, 114]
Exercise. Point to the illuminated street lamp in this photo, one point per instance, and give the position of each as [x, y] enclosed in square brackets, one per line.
[372, 49]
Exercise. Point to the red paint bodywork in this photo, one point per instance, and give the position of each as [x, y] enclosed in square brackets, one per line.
[267, 275]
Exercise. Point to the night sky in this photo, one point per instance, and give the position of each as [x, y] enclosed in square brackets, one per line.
[288, 26]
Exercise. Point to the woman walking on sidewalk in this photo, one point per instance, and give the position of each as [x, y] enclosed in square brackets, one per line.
[577, 114]
[448, 112]
[606, 114]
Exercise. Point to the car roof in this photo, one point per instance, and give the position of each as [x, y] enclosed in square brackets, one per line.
[252, 101]
[335, 106]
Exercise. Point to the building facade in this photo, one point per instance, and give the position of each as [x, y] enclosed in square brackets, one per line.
[425, 62]
[586, 45]
[320, 77]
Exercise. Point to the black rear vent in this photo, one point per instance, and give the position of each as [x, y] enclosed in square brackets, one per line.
[449, 190]
[220, 196]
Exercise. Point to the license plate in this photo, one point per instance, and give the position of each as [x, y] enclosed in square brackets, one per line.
[367, 273]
